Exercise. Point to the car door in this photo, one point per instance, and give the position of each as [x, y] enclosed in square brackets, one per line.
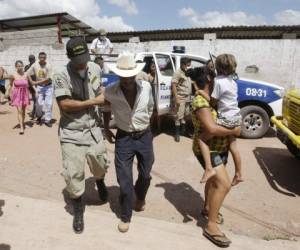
[165, 71]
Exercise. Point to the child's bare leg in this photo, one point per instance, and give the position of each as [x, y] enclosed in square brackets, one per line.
[237, 161]
[209, 171]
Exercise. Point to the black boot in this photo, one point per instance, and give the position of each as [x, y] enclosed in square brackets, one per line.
[102, 191]
[182, 129]
[78, 222]
[177, 133]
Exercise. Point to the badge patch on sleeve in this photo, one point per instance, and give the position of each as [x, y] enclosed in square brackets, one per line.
[94, 79]
[59, 83]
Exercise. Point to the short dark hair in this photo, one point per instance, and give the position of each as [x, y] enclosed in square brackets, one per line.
[200, 75]
[17, 62]
[185, 61]
[42, 54]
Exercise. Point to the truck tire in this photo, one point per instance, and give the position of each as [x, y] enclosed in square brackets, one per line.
[255, 122]
[293, 149]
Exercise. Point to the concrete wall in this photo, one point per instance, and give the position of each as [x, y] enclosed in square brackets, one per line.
[19, 45]
[278, 60]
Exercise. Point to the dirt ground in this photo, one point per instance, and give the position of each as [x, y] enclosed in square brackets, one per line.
[265, 206]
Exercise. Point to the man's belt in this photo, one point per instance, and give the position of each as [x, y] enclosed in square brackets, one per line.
[134, 135]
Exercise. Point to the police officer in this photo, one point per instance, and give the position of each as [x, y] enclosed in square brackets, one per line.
[101, 44]
[77, 91]
[181, 90]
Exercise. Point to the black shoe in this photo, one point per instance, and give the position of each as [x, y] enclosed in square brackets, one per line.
[102, 190]
[177, 134]
[78, 222]
[39, 121]
[182, 129]
[48, 124]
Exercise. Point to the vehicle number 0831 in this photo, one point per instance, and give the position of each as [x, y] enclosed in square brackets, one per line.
[256, 92]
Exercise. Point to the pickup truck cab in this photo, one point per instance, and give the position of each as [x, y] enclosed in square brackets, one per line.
[288, 125]
[258, 100]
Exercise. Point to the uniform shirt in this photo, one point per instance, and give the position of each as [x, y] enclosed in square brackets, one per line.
[225, 91]
[41, 72]
[80, 127]
[216, 144]
[127, 119]
[183, 83]
[101, 46]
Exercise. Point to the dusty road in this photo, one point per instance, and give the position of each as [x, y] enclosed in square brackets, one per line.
[266, 205]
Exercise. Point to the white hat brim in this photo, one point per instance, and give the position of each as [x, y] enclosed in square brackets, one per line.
[126, 72]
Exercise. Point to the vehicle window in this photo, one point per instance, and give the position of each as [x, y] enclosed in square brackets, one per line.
[148, 60]
[165, 65]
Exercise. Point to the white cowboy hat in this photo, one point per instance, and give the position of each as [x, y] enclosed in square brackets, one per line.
[126, 65]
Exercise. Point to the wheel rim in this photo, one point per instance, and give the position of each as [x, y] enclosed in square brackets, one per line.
[253, 122]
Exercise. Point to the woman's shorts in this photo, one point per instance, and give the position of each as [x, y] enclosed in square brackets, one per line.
[217, 159]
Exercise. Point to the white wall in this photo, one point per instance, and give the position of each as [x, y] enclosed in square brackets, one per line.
[278, 60]
[19, 45]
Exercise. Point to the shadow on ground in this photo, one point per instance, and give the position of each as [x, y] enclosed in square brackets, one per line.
[186, 200]
[5, 112]
[91, 197]
[4, 247]
[270, 133]
[281, 169]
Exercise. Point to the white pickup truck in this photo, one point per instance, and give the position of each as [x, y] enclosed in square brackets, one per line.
[258, 100]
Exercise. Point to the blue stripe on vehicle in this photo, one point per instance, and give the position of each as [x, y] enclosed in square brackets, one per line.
[249, 91]
[108, 79]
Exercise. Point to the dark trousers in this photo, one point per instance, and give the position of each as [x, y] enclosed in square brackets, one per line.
[126, 148]
[2, 89]
[33, 96]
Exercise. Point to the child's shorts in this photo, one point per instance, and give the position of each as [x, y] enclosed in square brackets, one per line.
[231, 122]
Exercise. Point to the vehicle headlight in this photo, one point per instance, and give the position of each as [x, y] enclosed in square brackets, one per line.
[279, 92]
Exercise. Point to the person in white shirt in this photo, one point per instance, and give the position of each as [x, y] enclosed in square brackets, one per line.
[132, 104]
[101, 44]
[225, 96]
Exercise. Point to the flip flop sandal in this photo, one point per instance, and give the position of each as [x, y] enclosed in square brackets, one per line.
[218, 240]
[220, 219]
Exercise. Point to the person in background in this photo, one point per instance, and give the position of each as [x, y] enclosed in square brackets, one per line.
[100, 61]
[210, 65]
[31, 60]
[19, 81]
[181, 90]
[43, 71]
[101, 45]
[3, 77]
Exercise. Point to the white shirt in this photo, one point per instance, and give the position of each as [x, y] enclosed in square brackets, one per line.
[101, 46]
[225, 91]
[127, 119]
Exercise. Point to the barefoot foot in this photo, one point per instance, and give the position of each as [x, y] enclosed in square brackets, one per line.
[236, 180]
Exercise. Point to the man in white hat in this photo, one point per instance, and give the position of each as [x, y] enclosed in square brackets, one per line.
[101, 44]
[132, 104]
